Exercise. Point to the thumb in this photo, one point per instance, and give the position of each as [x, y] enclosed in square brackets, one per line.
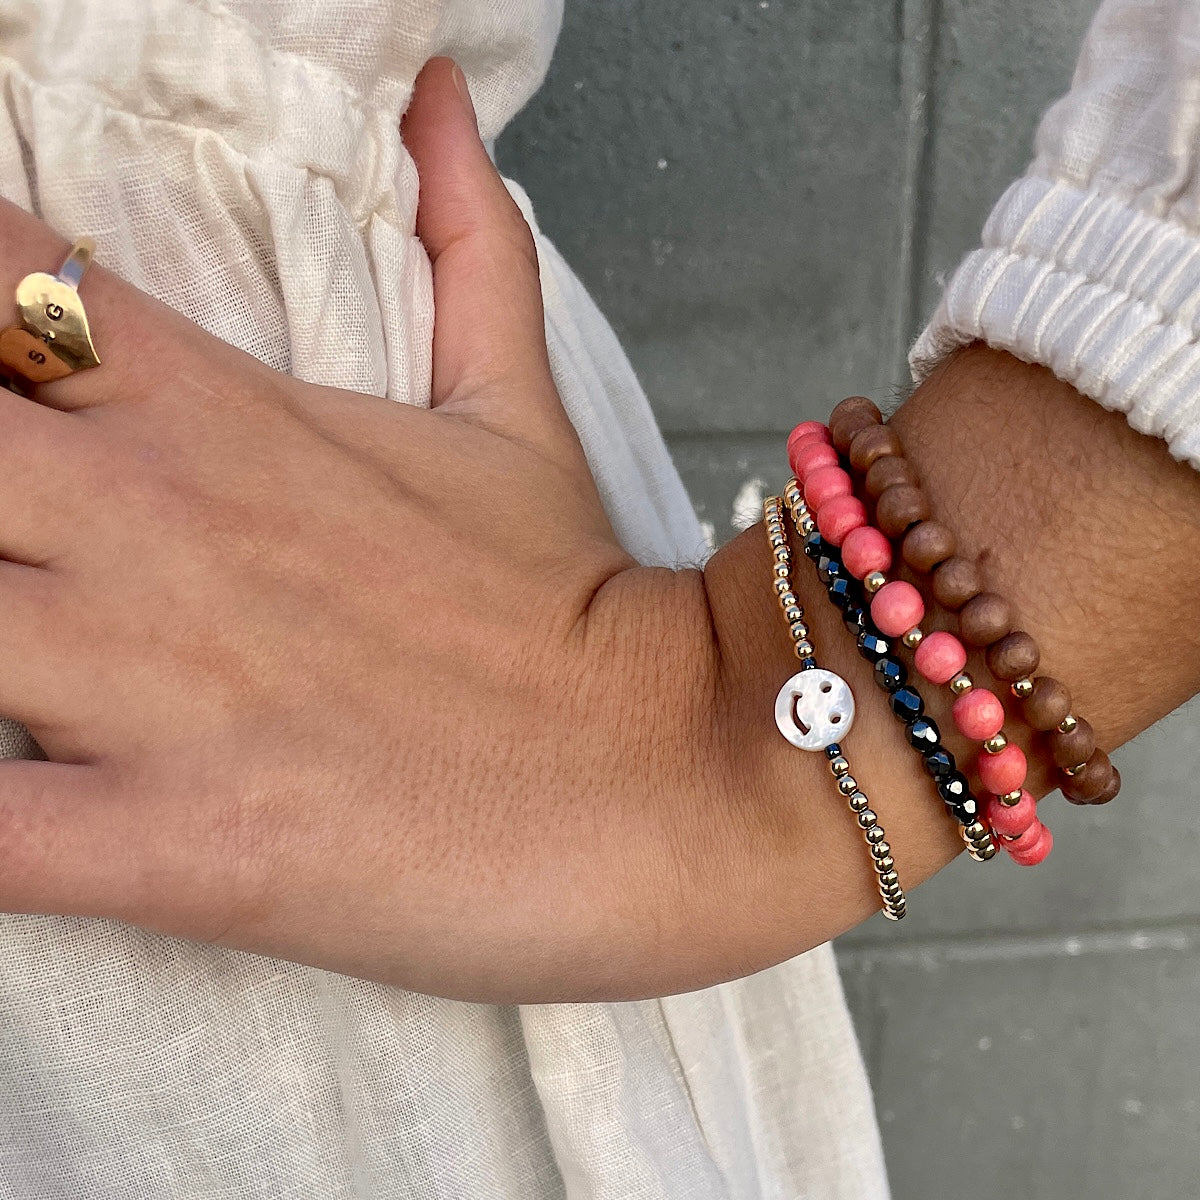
[489, 345]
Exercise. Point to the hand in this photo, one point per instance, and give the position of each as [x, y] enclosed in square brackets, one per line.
[321, 675]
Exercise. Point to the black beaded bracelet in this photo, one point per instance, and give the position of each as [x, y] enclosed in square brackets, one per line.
[847, 595]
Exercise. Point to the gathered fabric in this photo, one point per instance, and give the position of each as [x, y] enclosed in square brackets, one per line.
[1090, 265]
[241, 161]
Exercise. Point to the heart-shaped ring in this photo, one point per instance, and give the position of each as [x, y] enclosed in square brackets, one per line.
[53, 339]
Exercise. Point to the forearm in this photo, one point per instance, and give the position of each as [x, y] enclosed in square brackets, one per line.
[1091, 529]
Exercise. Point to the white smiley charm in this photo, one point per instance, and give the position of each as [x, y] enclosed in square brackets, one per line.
[814, 709]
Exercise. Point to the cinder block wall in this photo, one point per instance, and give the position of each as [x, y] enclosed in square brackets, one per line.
[761, 195]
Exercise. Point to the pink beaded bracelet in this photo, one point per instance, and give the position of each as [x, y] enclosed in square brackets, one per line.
[898, 609]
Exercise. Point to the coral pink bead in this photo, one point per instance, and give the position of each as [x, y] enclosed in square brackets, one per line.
[940, 657]
[1003, 772]
[1027, 839]
[897, 608]
[866, 550]
[978, 714]
[1014, 821]
[811, 456]
[838, 517]
[1037, 852]
[825, 483]
[807, 431]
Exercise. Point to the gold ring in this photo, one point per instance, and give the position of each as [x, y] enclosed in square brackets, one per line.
[53, 339]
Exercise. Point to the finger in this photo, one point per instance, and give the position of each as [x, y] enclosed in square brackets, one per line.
[487, 293]
[67, 843]
[134, 335]
[44, 682]
[48, 461]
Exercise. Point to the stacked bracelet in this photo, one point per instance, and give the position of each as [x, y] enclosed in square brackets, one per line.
[814, 710]
[905, 700]
[986, 620]
[898, 610]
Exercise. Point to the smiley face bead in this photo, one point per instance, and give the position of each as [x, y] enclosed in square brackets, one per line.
[814, 709]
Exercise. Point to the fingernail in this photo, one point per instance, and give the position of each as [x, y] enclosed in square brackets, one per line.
[464, 92]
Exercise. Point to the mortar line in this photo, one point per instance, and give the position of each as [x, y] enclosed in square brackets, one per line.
[919, 22]
[1179, 936]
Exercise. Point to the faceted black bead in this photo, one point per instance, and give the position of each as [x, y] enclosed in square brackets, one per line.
[907, 705]
[967, 810]
[954, 789]
[940, 763]
[841, 592]
[924, 734]
[809, 664]
[829, 569]
[873, 647]
[833, 750]
[890, 674]
[813, 545]
[856, 619]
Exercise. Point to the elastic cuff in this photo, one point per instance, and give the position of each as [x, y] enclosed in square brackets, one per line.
[1105, 296]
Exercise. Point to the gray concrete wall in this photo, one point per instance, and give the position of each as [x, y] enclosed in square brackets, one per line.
[761, 195]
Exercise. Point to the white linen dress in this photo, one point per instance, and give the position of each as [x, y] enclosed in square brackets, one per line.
[240, 159]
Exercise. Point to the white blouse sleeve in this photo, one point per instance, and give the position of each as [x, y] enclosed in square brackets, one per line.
[1090, 264]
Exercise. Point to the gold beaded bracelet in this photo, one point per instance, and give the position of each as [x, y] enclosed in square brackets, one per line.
[814, 710]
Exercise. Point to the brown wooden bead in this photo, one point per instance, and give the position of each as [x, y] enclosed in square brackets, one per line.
[873, 443]
[985, 619]
[1092, 782]
[899, 508]
[887, 472]
[955, 582]
[1047, 704]
[1014, 656]
[927, 545]
[1071, 749]
[851, 415]
[1107, 794]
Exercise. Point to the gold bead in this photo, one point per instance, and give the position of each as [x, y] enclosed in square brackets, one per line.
[996, 743]
[847, 785]
[783, 557]
[798, 629]
[792, 615]
[1023, 689]
[896, 913]
[985, 852]
[879, 847]
[807, 525]
[962, 682]
[1068, 724]
[974, 831]
[859, 802]
[874, 581]
[889, 878]
[875, 836]
[782, 587]
[867, 818]
[777, 540]
[1011, 798]
[885, 864]
[840, 767]
[782, 570]
[913, 638]
[804, 650]
[788, 600]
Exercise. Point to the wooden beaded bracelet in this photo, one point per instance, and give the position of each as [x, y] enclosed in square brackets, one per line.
[814, 710]
[847, 595]
[898, 610]
[985, 619]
